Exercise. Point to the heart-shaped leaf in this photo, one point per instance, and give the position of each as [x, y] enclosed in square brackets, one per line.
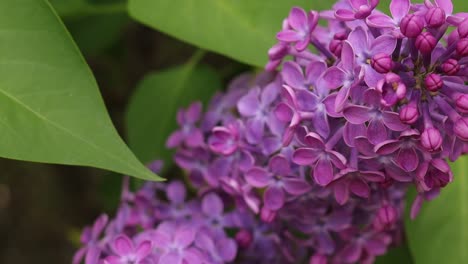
[151, 115]
[50, 106]
[241, 29]
[439, 234]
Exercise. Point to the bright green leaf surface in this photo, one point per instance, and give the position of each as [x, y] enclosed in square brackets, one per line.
[151, 115]
[440, 232]
[50, 107]
[241, 29]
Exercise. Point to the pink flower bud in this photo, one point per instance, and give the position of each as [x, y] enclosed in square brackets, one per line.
[462, 103]
[433, 82]
[461, 128]
[409, 113]
[435, 17]
[463, 28]
[411, 25]
[382, 63]
[450, 67]
[462, 47]
[431, 139]
[244, 238]
[425, 42]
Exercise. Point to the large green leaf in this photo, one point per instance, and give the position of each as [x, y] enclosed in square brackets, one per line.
[50, 106]
[241, 29]
[440, 232]
[151, 115]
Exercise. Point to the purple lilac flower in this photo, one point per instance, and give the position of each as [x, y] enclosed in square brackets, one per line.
[309, 163]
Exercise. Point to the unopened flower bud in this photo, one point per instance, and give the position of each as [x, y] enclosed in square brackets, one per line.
[433, 82]
[409, 113]
[450, 67]
[244, 238]
[335, 47]
[382, 63]
[425, 42]
[463, 28]
[431, 139]
[461, 128]
[435, 17]
[462, 47]
[411, 25]
[462, 103]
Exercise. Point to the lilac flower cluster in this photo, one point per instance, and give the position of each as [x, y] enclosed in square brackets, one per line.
[158, 224]
[310, 163]
[385, 99]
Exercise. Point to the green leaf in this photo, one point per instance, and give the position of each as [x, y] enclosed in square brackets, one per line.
[151, 115]
[399, 254]
[440, 232]
[240, 29]
[50, 106]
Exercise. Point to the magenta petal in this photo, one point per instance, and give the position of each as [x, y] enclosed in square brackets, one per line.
[345, 15]
[257, 177]
[143, 250]
[392, 121]
[92, 255]
[380, 21]
[288, 36]
[279, 165]
[341, 98]
[359, 188]
[348, 57]
[273, 198]
[249, 104]
[446, 5]
[314, 141]
[305, 156]
[407, 159]
[193, 112]
[356, 114]
[176, 192]
[184, 236]
[376, 246]
[284, 112]
[298, 18]
[359, 40]
[387, 147]
[292, 75]
[399, 8]
[352, 252]
[341, 191]
[296, 186]
[175, 139]
[384, 44]
[227, 249]
[323, 172]
[333, 77]
[171, 257]
[314, 70]
[195, 138]
[212, 204]
[351, 132]
[123, 245]
[376, 131]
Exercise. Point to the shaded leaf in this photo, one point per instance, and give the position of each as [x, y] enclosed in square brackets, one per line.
[151, 115]
[440, 232]
[50, 106]
[241, 29]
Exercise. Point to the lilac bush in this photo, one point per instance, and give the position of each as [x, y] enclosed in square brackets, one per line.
[310, 161]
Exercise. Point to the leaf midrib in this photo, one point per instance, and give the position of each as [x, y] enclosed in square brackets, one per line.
[65, 130]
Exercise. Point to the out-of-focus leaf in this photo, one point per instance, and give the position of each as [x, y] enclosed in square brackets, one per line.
[399, 254]
[241, 29]
[440, 232]
[50, 106]
[151, 115]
